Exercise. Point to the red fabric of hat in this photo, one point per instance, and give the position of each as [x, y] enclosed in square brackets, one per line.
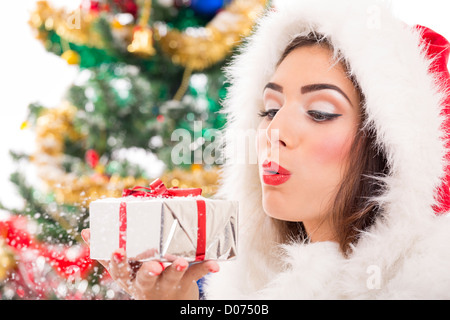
[438, 50]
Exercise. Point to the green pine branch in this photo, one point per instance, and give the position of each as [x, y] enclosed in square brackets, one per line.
[53, 227]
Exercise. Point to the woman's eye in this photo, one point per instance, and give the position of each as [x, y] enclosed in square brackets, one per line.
[320, 116]
[270, 114]
[316, 115]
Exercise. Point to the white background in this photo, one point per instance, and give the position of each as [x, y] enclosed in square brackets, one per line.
[29, 73]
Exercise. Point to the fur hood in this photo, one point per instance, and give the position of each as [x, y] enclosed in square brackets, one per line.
[406, 253]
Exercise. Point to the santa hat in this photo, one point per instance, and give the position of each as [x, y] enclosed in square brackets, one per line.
[438, 51]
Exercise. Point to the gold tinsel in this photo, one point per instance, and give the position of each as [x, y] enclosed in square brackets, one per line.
[197, 177]
[75, 26]
[195, 48]
[200, 48]
[55, 125]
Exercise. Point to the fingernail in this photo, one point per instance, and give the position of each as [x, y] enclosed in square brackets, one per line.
[214, 269]
[83, 234]
[180, 267]
[154, 273]
[162, 265]
[118, 257]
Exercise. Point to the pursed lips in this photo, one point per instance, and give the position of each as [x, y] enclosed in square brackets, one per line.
[273, 168]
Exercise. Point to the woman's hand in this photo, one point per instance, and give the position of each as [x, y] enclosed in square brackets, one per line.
[151, 280]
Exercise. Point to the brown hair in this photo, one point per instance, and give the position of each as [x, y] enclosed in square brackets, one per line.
[352, 210]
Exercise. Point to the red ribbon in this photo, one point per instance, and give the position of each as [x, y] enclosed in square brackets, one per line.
[123, 226]
[158, 189]
[201, 231]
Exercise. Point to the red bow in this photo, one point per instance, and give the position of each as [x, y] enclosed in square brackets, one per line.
[158, 189]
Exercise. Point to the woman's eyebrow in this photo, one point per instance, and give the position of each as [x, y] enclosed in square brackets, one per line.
[310, 88]
[324, 86]
[273, 86]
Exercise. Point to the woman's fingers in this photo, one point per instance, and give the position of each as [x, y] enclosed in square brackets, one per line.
[120, 270]
[151, 280]
[146, 255]
[172, 275]
[155, 282]
[86, 235]
[199, 270]
[146, 279]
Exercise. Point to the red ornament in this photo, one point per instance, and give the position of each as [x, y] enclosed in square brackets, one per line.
[160, 118]
[95, 7]
[92, 158]
[127, 6]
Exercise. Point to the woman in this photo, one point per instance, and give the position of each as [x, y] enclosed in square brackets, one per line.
[348, 195]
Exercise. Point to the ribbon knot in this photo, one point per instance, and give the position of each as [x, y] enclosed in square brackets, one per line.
[158, 189]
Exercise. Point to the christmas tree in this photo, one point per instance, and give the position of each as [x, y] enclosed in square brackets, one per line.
[146, 69]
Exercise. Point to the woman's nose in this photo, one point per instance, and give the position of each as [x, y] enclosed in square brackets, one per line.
[273, 137]
[280, 132]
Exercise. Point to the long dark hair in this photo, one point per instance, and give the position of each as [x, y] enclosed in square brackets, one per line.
[352, 210]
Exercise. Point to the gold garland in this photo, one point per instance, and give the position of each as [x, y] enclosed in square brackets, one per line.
[200, 48]
[70, 188]
[196, 48]
[45, 18]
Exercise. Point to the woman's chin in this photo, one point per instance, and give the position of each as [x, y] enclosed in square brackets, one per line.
[279, 211]
[276, 206]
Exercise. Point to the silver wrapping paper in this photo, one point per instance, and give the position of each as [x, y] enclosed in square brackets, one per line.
[179, 229]
[158, 228]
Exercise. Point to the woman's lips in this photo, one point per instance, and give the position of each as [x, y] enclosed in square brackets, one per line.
[274, 174]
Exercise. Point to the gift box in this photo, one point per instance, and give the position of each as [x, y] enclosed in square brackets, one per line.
[156, 222]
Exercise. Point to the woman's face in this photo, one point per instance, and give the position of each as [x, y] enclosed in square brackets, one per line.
[310, 118]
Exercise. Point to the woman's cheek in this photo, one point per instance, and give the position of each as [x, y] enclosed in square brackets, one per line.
[331, 149]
